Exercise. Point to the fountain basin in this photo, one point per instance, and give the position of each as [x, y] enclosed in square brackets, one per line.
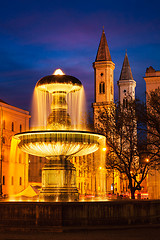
[59, 143]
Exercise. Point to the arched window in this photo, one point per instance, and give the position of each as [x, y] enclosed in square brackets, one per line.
[102, 88]
[20, 128]
[12, 126]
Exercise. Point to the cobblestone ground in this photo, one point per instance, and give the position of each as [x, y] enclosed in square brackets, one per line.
[147, 233]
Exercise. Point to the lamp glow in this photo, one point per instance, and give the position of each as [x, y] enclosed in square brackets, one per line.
[58, 72]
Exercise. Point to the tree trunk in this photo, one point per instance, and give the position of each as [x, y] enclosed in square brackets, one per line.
[132, 193]
[132, 189]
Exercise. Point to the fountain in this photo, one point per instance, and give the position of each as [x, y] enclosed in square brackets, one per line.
[59, 142]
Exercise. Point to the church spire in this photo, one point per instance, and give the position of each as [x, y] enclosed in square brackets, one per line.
[126, 73]
[126, 83]
[103, 53]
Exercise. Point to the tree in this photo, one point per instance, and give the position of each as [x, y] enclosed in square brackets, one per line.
[149, 116]
[125, 154]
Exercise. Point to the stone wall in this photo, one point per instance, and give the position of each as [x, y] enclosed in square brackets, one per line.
[78, 214]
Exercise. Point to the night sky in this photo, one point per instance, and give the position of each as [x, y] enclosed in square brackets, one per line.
[36, 37]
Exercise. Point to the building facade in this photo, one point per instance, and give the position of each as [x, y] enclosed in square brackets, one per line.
[152, 79]
[14, 163]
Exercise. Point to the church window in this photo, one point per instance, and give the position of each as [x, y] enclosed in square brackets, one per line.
[111, 89]
[101, 74]
[12, 126]
[102, 88]
[125, 103]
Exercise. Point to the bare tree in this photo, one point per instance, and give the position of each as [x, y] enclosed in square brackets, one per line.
[149, 116]
[119, 125]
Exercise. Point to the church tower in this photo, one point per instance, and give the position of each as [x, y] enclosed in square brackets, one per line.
[103, 77]
[126, 83]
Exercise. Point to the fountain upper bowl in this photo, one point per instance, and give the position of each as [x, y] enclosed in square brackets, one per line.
[57, 83]
[49, 143]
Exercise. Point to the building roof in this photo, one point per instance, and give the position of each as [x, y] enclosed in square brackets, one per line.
[3, 101]
[126, 73]
[103, 53]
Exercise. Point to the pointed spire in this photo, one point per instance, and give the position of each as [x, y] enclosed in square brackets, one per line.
[126, 73]
[103, 53]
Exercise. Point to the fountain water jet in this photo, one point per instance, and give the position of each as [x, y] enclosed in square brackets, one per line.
[59, 142]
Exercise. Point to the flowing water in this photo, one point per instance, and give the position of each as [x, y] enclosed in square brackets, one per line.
[41, 109]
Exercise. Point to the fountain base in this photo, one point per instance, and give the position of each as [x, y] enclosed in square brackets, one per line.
[59, 180]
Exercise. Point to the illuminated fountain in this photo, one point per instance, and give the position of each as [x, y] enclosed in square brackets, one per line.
[59, 142]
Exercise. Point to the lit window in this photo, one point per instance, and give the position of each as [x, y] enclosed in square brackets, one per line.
[102, 88]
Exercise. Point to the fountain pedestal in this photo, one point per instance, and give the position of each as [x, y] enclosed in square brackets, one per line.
[59, 180]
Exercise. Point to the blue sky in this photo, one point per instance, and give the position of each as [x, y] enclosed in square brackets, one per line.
[36, 37]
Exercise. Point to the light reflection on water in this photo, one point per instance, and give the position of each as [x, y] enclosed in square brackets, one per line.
[85, 199]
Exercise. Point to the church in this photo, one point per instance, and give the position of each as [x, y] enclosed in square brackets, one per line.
[104, 97]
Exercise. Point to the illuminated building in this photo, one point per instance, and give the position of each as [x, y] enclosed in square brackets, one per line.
[104, 98]
[152, 79]
[14, 173]
[126, 83]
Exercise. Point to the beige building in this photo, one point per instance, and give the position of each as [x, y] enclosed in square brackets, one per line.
[152, 79]
[14, 167]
